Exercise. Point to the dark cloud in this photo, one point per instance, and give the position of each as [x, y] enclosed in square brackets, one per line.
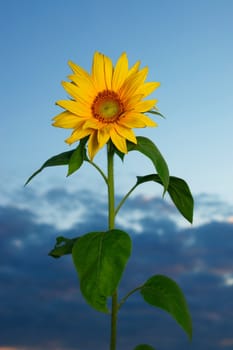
[40, 302]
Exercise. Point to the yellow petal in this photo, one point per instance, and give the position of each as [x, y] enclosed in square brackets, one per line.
[132, 83]
[108, 71]
[98, 71]
[147, 88]
[120, 72]
[85, 86]
[125, 132]
[75, 107]
[103, 136]
[118, 141]
[131, 101]
[136, 120]
[144, 106]
[67, 120]
[132, 121]
[134, 68]
[85, 93]
[93, 146]
[78, 134]
[93, 124]
[81, 73]
[82, 78]
[73, 91]
[148, 121]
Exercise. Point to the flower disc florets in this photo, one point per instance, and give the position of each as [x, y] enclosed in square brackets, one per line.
[107, 107]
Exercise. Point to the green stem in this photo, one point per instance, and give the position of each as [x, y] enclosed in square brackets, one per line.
[111, 225]
[114, 321]
[111, 195]
[99, 170]
[124, 199]
[123, 300]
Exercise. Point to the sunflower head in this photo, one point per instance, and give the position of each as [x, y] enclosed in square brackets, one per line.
[106, 104]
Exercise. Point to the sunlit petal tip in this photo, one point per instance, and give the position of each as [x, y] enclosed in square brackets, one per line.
[134, 68]
[68, 141]
[123, 55]
[149, 122]
[145, 70]
[64, 83]
[57, 103]
[70, 63]
[120, 72]
[73, 66]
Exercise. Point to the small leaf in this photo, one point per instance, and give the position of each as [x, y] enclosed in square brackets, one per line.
[100, 259]
[163, 292]
[144, 347]
[77, 158]
[148, 148]
[178, 191]
[59, 159]
[63, 246]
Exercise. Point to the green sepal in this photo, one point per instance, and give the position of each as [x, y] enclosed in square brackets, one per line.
[77, 157]
[100, 259]
[144, 347]
[148, 148]
[118, 153]
[156, 113]
[164, 293]
[63, 246]
[179, 192]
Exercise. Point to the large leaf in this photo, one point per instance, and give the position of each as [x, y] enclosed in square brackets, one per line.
[144, 347]
[63, 246]
[148, 148]
[100, 259]
[59, 159]
[164, 293]
[178, 191]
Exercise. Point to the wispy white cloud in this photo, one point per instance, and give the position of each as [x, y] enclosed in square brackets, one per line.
[199, 257]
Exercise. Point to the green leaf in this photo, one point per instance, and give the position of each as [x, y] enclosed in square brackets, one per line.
[100, 259]
[64, 159]
[148, 148]
[59, 159]
[63, 246]
[77, 158]
[178, 191]
[144, 347]
[164, 293]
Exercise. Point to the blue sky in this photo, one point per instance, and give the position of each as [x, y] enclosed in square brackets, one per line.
[187, 46]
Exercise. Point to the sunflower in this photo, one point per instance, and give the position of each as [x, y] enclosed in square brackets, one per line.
[107, 103]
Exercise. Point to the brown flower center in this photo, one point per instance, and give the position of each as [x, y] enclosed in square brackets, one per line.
[107, 106]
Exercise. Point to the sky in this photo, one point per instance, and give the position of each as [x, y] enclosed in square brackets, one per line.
[187, 46]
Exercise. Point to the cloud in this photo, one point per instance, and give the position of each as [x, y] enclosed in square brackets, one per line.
[41, 306]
